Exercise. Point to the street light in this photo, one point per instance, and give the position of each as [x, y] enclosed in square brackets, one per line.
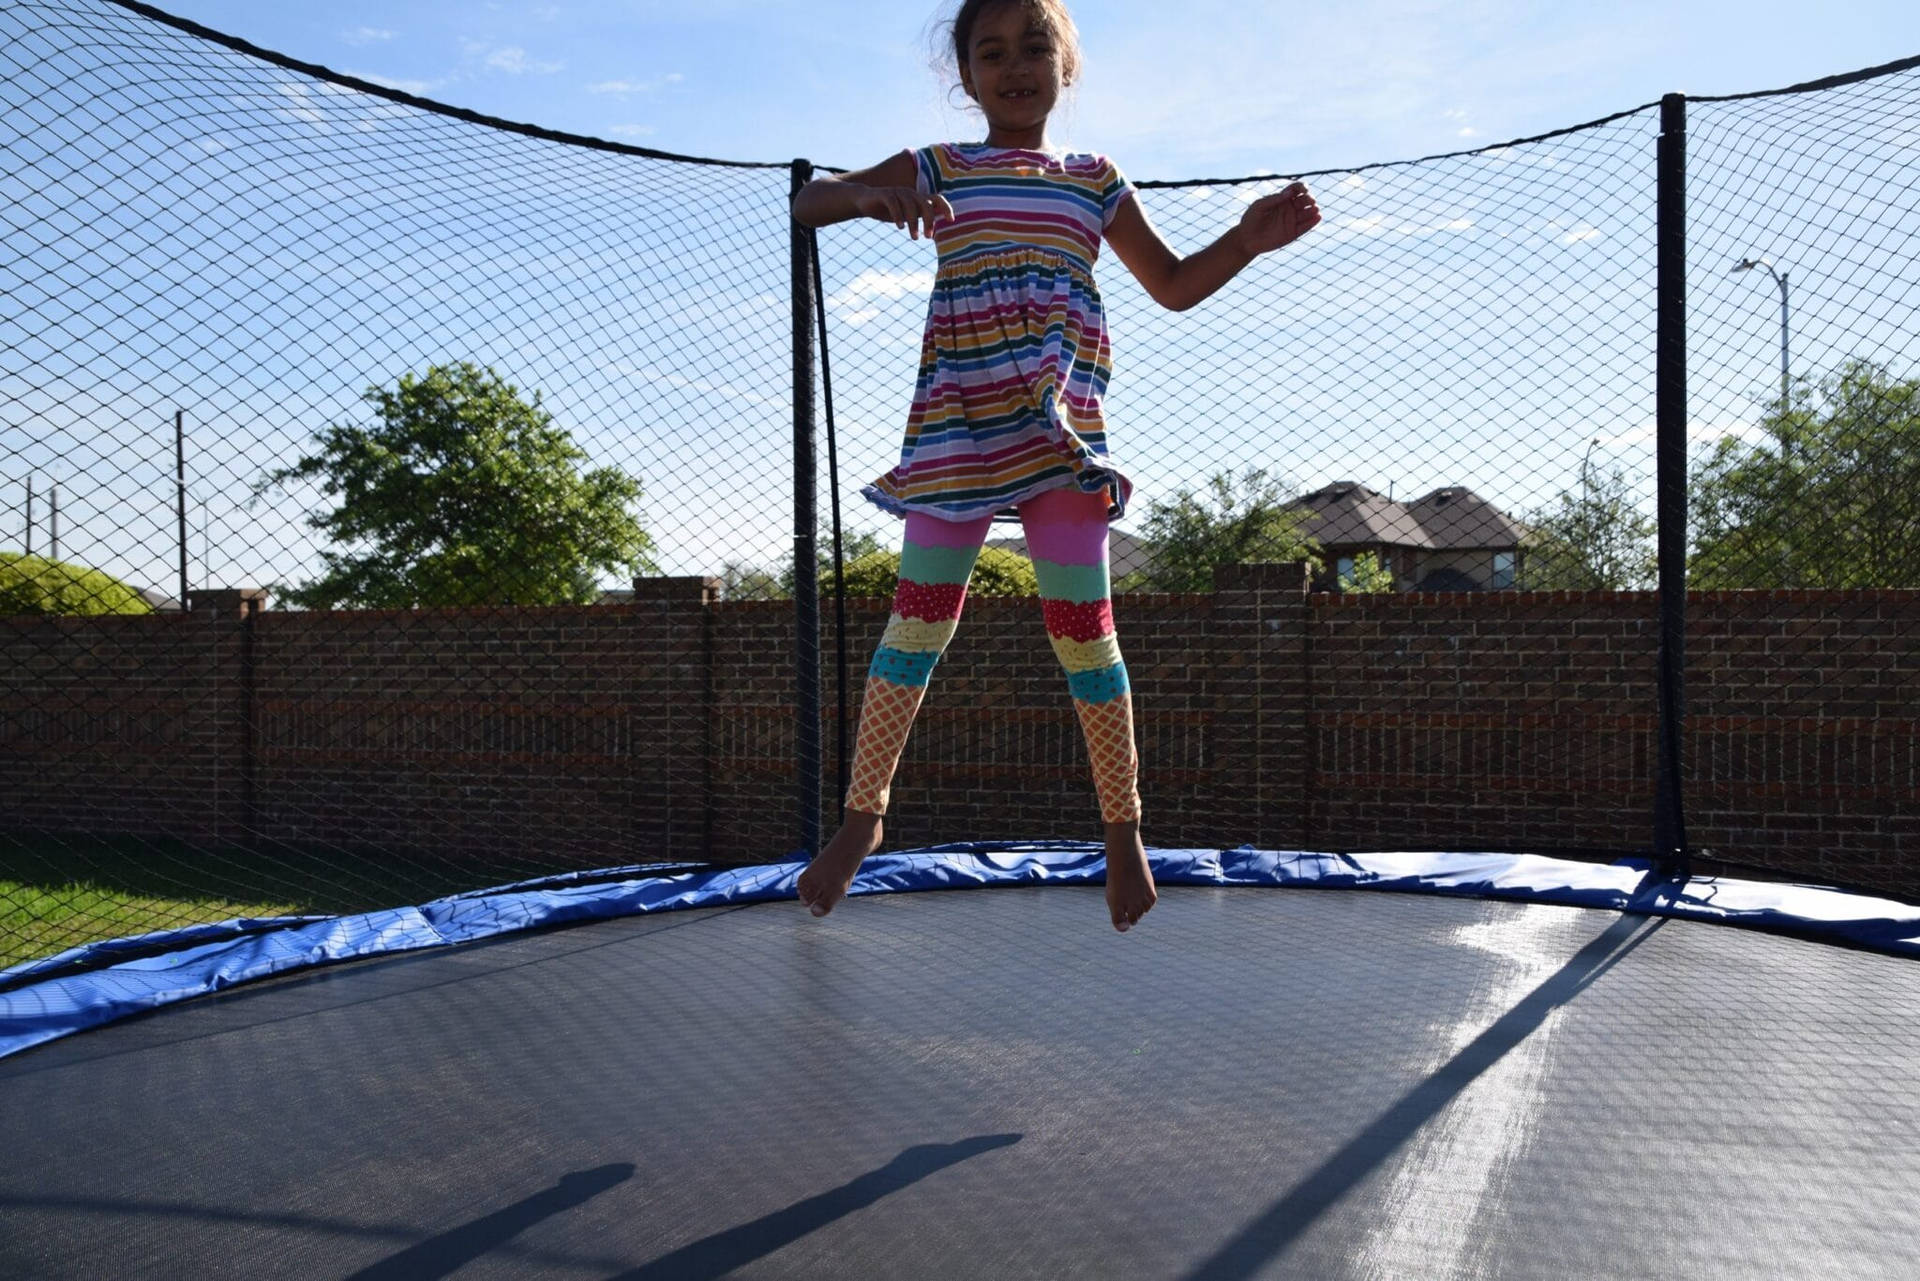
[1779, 278]
[1586, 472]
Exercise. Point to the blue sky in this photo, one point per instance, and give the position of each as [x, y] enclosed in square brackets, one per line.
[1484, 321]
[1203, 88]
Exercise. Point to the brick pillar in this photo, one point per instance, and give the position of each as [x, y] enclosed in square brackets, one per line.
[221, 713]
[673, 719]
[1262, 732]
[226, 602]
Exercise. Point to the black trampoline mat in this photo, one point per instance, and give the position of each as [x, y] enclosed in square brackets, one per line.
[992, 1083]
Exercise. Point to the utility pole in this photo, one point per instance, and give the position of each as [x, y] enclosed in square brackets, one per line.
[180, 493]
[1780, 279]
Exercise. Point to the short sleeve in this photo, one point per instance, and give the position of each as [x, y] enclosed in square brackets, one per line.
[1114, 188]
[926, 178]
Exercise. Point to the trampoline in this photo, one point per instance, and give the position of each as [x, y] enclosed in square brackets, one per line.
[1278, 1080]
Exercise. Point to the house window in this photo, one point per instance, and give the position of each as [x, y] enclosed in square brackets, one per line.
[1343, 570]
[1503, 567]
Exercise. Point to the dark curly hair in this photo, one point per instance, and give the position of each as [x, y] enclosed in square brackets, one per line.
[951, 48]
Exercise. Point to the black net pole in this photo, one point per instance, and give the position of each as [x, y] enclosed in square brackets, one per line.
[1670, 412]
[840, 726]
[806, 588]
[180, 492]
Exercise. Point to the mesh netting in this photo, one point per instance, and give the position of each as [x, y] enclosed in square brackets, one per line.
[406, 500]
[1436, 391]
[1804, 477]
[511, 374]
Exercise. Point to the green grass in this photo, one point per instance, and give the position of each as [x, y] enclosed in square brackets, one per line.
[37, 920]
[60, 891]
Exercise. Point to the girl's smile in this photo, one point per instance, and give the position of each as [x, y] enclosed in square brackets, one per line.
[1013, 71]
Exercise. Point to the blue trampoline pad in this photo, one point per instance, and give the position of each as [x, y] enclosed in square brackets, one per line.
[1257, 1082]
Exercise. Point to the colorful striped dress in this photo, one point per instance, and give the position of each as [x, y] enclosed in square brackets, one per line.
[1015, 358]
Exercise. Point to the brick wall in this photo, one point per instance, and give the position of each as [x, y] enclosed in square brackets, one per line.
[1501, 719]
[1803, 731]
[574, 736]
[120, 723]
[664, 728]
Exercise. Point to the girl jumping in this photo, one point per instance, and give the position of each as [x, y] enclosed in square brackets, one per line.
[1006, 413]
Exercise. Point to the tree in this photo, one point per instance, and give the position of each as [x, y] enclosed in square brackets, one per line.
[740, 580]
[464, 494]
[1596, 540]
[1252, 518]
[1830, 500]
[999, 571]
[853, 547]
[36, 585]
[1367, 576]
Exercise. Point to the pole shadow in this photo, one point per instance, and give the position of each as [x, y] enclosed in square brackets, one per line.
[1281, 1225]
[441, 1255]
[719, 1254]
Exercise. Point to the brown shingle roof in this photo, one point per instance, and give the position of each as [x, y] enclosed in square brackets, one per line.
[1450, 519]
[1349, 513]
[1459, 519]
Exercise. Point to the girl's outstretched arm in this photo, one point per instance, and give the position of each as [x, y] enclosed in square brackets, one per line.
[1178, 283]
[885, 191]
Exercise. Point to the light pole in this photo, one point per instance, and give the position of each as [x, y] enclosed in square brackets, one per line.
[1592, 526]
[1779, 278]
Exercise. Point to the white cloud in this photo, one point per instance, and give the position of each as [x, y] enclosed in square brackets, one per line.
[416, 87]
[1580, 233]
[1248, 192]
[636, 86]
[877, 282]
[300, 105]
[1646, 434]
[513, 60]
[545, 12]
[1379, 225]
[325, 105]
[867, 295]
[631, 131]
[367, 35]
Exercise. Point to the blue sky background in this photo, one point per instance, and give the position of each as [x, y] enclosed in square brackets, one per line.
[1204, 88]
[1483, 321]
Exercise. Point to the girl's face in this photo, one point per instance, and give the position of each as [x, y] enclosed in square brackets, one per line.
[1013, 71]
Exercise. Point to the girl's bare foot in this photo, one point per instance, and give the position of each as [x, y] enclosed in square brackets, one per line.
[825, 880]
[1130, 892]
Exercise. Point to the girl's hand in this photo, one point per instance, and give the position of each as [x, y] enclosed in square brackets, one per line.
[1278, 219]
[903, 207]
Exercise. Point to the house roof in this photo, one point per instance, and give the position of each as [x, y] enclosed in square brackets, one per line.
[158, 600]
[1346, 512]
[1453, 518]
[1460, 518]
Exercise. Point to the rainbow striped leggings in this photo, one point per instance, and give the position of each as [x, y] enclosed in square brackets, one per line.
[1067, 538]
